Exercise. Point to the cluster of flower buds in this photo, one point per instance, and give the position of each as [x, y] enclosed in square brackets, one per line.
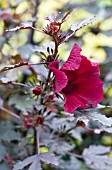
[54, 28]
[30, 122]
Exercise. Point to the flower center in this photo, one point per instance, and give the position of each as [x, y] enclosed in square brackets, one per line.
[69, 81]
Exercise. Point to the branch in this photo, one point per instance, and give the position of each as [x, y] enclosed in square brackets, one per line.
[10, 113]
[20, 65]
[74, 154]
[37, 138]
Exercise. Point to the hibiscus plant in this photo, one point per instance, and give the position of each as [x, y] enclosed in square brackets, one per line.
[62, 100]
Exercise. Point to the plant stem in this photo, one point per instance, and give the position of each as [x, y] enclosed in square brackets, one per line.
[10, 112]
[37, 139]
[56, 46]
[21, 64]
[38, 63]
[76, 155]
[70, 129]
[20, 84]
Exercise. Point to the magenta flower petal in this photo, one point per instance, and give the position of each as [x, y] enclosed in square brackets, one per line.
[74, 59]
[84, 86]
[71, 103]
[60, 78]
[81, 93]
[54, 64]
[78, 81]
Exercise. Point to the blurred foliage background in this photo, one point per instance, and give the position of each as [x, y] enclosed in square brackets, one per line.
[95, 41]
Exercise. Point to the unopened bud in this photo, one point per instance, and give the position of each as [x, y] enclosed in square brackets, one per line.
[55, 28]
[39, 120]
[28, 122]
[50, 58]
[37, 90]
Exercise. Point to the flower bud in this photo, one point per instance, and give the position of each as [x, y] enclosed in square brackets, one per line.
[39, 120]
[49, 98]
[37, 90]
[50, 58]
[28, 122]
[55, 28]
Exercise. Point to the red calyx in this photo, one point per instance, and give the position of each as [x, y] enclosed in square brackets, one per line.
[39, 120]
[37, 90]
[28, 122]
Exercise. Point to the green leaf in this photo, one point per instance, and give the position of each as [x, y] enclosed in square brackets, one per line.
[71, 164]
[96, 157]
[2, 41]
[11, 135]
[22, 103]
[8, 133]
[40, 69]
[21, 164]
[23, 143]
[10, 67]
[103, 106]
[44, 47]
[26, 50]
[12, 75]
[33, 160]
[36, 165]
[93, 116]
[2, 152]
[62, 147]
[76, 26]
[48, 158]
[103, 128]
[4, 80]
[1, 102]
[76, 135]
[3, 166]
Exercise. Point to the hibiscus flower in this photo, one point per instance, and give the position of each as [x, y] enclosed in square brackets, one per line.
[78, 81]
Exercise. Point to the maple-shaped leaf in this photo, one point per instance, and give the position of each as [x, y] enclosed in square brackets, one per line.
[103, 129]
[35, 161]
[36, 165]
[70, 164]
[48, 158]
[61, 147]
[2, 152]
[22, 103]
[8, 133]
[26, 50]
[9, 67]
[76, 26]
[25, 25]
[21, 164]
[4, 166]
[93, 116]
[52, 17]
[66, 16]
[1, 102]
[100, 106]
[2, 41]
[44, 47]
[96, 157]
